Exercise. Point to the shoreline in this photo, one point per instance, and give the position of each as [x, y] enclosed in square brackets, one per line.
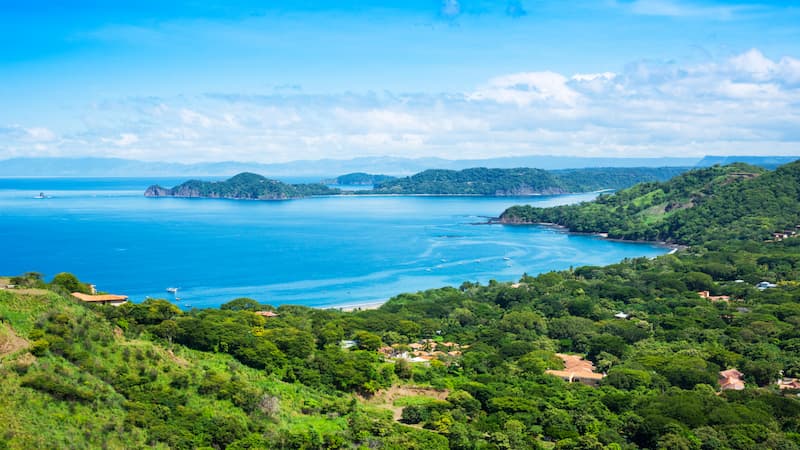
[673, 247]
[353, 307]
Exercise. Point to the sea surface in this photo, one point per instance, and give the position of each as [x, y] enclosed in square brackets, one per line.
[322, 252]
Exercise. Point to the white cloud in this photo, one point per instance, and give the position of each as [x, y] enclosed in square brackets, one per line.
[748, 103]
[526, 88]
[40, 134]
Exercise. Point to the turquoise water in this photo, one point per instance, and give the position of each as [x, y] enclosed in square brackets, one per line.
[328, 251]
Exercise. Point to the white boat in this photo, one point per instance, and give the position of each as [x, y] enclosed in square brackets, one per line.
[506, 258]
[172, 290]
[41, 195]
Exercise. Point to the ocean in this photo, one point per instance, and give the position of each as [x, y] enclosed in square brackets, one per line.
[320, 252]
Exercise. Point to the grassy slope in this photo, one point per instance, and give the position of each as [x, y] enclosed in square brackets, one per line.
[705, 204]
[93, 399]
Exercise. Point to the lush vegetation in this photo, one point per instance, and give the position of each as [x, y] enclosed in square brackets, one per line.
[249, 375]
[479, 181]
[242, 186]
[359, 178]
[521, 181]
[718, 203]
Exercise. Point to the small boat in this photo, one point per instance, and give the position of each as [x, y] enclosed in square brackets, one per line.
[172, 290]
[41, 195]
[506, 258]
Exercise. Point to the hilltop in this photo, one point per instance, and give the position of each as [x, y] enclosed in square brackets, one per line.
[717, 203]
[245, 185]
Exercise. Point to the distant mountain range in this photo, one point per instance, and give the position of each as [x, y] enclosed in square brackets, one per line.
[327, 168]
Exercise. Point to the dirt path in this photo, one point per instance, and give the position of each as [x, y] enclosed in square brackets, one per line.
[385, 398]
[9, 341]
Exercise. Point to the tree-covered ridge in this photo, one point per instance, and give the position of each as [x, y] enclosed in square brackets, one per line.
[242, 186]
[729, 202]
[477, 181]
[521, 181]
[358, 178]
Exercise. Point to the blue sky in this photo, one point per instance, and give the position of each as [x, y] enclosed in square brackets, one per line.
[206, 81]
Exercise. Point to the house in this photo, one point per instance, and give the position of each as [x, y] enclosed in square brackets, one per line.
[105, 299]
[577, 369]
[789, 383]
[766, 285]
[714, 298]
[621, 315]
[731, 379]
[347, 344]
[267, 313]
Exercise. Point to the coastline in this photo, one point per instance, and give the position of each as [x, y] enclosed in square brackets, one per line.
[672, 246]
[353, 307]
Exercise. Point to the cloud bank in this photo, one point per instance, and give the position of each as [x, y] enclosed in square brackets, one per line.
[744, 104]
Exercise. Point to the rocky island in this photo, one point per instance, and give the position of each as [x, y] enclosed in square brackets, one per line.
[244, 186]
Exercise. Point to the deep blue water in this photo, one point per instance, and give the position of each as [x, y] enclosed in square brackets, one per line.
[327, 251]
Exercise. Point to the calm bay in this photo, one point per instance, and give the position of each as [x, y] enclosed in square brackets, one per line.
[322, 252]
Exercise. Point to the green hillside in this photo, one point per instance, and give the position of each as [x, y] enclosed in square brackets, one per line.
[521, 181]
[69, 378]
[245, 185]
[718, 203]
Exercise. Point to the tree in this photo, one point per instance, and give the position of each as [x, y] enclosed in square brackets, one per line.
[241, 304]
[402, 368]
[368, 341]
[70, 283]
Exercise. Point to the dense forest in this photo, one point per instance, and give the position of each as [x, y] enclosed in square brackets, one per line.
[522, 181]
[718, 203]
[684, 351]
[358, 178]
[245, 185]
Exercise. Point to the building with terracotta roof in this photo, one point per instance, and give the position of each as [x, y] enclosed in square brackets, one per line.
[731, 379]
[714, 298]
[104, 299]
[267, 313]
[789, 383]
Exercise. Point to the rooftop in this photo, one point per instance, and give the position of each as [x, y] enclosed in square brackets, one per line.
[100, 298]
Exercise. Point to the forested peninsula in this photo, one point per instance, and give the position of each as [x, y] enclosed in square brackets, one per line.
[522, 181]
[477, 181]
[694, 350]
[736, 201]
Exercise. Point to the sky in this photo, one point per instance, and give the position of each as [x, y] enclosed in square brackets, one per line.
[275, 81]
